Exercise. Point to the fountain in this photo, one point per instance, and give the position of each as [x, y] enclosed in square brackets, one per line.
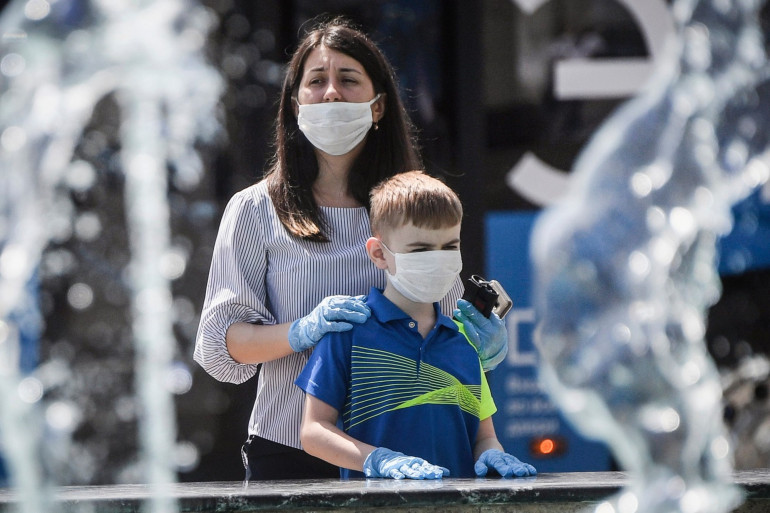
[58, 60]
[626, 264]
[624, 285]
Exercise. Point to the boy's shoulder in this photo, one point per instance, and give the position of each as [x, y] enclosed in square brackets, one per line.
[371, 327]
[343, 340]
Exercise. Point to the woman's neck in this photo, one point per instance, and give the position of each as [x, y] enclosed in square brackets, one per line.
[330, 188]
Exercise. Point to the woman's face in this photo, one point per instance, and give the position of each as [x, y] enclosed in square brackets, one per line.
[332, 76]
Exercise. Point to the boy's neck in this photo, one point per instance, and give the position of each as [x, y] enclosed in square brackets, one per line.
[423, 313]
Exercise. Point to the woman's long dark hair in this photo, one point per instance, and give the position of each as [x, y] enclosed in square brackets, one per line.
[388, 150]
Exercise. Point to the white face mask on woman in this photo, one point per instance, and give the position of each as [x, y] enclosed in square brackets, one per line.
[425, 276]
[335, 127]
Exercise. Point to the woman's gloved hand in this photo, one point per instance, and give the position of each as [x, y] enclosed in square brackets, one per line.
[383, 462]
[505, 464]
[333, 313]
[488, 334]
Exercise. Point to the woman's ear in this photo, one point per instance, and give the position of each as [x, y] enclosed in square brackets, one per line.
[376, 255]
[378, 107]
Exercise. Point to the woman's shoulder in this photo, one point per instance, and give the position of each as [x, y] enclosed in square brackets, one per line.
[255, 191]
[250, 205]
[254, 195]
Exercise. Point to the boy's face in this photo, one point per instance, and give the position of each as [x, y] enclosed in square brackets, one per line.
[409, 239]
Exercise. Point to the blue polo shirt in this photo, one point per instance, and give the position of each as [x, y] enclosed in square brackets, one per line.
[394, 389]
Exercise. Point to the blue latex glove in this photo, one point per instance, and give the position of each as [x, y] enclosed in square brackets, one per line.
[505, 464]
[488, 335]
[383, 462]
[333, 313]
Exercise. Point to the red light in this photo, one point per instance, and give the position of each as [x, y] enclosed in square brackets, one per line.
[546, 446]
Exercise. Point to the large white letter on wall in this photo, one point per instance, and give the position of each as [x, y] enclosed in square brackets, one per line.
[585, 79]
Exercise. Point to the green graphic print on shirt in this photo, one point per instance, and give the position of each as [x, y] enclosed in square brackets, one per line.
[382, 381]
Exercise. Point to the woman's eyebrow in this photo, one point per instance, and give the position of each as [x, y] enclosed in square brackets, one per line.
[342, 70]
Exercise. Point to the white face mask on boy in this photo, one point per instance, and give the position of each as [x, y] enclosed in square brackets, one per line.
[425, 276]
[335, 127]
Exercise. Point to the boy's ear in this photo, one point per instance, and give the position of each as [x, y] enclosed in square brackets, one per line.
[375, 252]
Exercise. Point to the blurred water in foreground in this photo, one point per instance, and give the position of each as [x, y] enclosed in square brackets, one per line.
[59, 61]
[626, 264]
[625, 283]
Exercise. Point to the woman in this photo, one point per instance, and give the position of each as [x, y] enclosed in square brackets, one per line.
[289, 253]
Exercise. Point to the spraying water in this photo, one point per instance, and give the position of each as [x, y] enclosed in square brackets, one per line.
[58, 59]
[626, 264]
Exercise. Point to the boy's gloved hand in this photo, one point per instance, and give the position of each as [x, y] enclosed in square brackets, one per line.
[383, 462]
[488, 335]
[505, 464]
[333, 313]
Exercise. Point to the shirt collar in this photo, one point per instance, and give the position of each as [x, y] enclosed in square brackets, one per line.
[384, 310]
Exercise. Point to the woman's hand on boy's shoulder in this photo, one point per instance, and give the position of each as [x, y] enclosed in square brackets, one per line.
[333, 314]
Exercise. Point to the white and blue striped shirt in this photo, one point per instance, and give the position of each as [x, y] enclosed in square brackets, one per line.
[262, 274]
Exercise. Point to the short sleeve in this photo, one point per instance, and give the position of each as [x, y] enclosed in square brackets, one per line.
[326, 375]
[488, 407]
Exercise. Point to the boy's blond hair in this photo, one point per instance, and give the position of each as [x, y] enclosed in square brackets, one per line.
[413, 197]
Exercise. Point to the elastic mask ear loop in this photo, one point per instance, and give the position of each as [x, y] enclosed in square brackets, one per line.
[386, 247]
[389, 251]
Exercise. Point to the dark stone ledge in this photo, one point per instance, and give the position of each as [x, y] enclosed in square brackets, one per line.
[551, 493]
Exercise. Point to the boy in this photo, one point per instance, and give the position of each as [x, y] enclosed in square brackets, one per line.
[407, 379]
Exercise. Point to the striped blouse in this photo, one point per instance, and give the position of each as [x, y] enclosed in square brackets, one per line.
[262, 274]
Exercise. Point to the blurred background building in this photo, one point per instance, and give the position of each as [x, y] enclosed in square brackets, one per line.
[505, 93]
